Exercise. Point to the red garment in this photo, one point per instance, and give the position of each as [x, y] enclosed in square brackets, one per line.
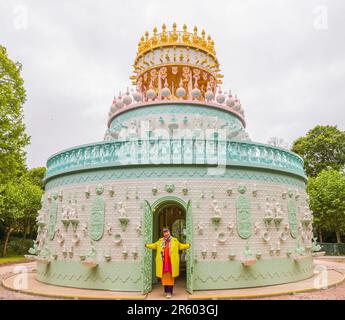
[167, 261]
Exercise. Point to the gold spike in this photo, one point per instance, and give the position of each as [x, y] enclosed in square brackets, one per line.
[141, 44]
[203, 40]
[195, 36]
[164, 37]
[147, 40]
[212, 47]
[185, 35]
[154, 37]
[173, 35]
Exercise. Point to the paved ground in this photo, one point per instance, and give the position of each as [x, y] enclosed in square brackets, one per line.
[335, 271]
[5, 272]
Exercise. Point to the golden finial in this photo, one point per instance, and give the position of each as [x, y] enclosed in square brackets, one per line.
[147, 40]
[164, 37]
[174, 35]
[210, 44]
[203, 41]
[141, 44]
[154, 37]
[195, 36]
[185, 35]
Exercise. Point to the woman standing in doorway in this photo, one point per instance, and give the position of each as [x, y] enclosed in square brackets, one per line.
[167, 260]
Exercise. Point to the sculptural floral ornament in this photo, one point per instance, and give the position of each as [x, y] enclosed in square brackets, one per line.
[315, 246]
[123, 219]
[169, 188]
[217, 213]
[34, 249]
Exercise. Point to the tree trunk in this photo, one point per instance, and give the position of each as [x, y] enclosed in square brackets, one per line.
[319, 231]
[337, 233]
[25, 231]
[7, 238]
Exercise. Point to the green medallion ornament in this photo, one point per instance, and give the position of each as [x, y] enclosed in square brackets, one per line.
[169, 188]
[292, 210]
[52, 218]
[97, 215]
[244, 219]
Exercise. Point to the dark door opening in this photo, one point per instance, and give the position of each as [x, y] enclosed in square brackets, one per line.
[174, 217]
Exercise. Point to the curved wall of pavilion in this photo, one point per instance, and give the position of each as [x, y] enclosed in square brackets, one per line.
[247, 200]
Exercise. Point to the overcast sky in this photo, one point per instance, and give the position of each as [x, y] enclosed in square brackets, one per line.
[284, 59]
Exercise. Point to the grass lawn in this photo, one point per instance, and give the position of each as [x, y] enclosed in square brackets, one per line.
[12, 259]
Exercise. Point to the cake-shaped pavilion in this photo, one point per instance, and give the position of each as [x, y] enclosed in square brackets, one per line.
[176, 154]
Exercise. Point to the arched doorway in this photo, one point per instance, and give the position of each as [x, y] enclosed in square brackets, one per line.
[175, 213]
[171, 215]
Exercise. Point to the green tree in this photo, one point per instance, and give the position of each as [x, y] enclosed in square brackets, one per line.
[36, 175]
[19, 203]
[323, 147]
[327, 201]
[13, 138]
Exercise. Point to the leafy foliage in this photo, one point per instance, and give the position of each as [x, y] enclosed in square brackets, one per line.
[35, 176]
[323, 147]
[19, 203]
[13, 138]
[327, 200]
[20, 189]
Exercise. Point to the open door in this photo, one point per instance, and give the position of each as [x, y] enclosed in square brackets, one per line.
[146, 260]
[190, 255]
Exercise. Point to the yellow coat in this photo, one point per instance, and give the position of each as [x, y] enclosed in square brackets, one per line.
[174, 255]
